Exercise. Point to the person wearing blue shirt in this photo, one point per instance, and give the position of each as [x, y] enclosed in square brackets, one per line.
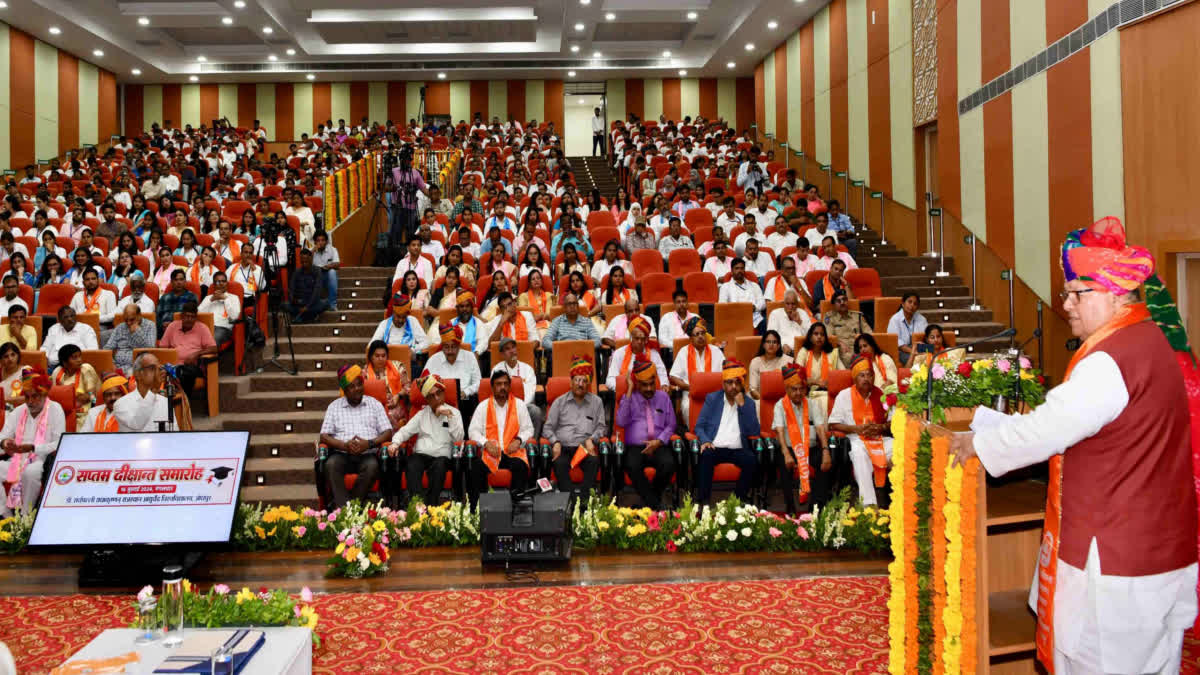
[842, 227]
[495, 238]
[570, 235]
[728, 420]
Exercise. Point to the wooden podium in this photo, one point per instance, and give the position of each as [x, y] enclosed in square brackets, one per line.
[1008, 534]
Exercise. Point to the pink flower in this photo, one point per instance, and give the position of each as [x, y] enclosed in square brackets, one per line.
[1025, 362]
[806, 517]
[296, 610]
[349, 541]
[221, 589]
[300, 530]
[322, 525]
[1003, 365]
[341, 537]
[404, 534]
[774, 532]
[801, 532]
[652, 522]
[939, 371]
[332, 517]
[306, 594]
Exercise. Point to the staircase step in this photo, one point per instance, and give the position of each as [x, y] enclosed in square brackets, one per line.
[285, 445]
[893, 266]
[306, 423]
[977, 329]
[285, 401]
[280, 470]
[357, 329]
[927, 292]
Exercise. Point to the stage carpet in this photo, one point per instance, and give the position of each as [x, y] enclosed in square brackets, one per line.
[811, 625]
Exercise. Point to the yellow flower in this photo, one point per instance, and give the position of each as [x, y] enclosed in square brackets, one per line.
[847, 522]
[340, 547]
[5, 536]
[271, 532]
[852, 513]
[244, 595]
[602, 525]
[883, 520]
[982, 364]
[260, 532]
[374, 559]
[351, 553]
[875, 532]
[187, 586]
[378, 526]
[309, 616]
[415, 526]
[1026, 375]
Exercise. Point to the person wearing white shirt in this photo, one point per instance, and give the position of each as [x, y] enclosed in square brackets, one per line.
[604, 265]
[750, 231]
[416, 262]
[451, 362]
[225, 307]
[92, 299]
[817, 234]
[143, 409]
[795, 415]
[437, 427]
[500, 220]
[511, 322]
[137, 296]
[514, 367]
[841, 419]
[622, 359]
[741, 289]
[805, 261]
[670, 326]
[598, 133]
[402, 328]
[719, 264]
[697, 356]
[67, 331]
[757, 261]
[729, 218]
[791, 321]
[11, 286]
[618, 328]
[781, 237]
[30, 433]
[674, 239]
[500, 436]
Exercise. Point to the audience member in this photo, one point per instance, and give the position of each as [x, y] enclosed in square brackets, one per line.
[67, 331]
[30, 433]
[17, 331]
[193, 343]
[741, 289]
[574, 426]
[726, 424]
[648, 419]
[640, 345]
[174, 300]
[327, 262]
[133, 332]
[402, 328]
[769, 358]
[858, 412]
[354, 429]
[80, 377]
[803, 436]
[305, 303]
[102, 419]
[143, 409]
[450, 362]
[501, 442]
[437, 427]
[225, 308]
[906, 321]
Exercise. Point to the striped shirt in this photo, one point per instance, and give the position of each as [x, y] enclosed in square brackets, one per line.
[563, 329]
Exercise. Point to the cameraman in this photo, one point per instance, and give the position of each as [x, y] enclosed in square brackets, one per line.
[408, 182]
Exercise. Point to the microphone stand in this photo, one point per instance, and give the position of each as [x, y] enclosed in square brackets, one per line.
[1006, 333]
[1016, 354]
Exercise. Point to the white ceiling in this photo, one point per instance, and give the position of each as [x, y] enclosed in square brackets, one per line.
[385, 40]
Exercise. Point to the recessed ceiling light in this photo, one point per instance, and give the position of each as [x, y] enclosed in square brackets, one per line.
[291, 52]
[772, 25]
[268, 30]
[240, 4]
[55, 30]
[3, 5]
[574, 49]
[682, 73]
[143, 21]
[731, 64]
[570, 73]
[193, 78]
[749, 46]
[311, 76]
[272, 57]
[579, 27]
[585, 2]
[692, 16]
[227, 20]
[595, 55]
[441, 76]
[666, 53]
[136, 71]
[97, 52]
[609, 16]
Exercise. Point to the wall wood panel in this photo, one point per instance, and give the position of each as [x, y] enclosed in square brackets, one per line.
[68, 102]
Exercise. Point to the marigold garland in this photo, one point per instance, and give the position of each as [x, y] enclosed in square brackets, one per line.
[952, 613]
[941, 452]
[330, 197]
[970, 518]
[343, 196]
[352, 179]
[912, 435]
[897, 515]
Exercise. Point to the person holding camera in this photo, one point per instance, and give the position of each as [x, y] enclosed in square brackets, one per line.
[408, 182]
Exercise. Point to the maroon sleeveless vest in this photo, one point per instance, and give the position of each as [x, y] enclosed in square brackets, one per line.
[1130, 486]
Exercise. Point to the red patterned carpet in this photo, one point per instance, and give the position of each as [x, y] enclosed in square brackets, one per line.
[813, 625]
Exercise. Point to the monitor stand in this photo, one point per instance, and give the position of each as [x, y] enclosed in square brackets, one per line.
[132, 566]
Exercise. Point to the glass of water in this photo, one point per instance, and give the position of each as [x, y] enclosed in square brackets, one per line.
[148, 624]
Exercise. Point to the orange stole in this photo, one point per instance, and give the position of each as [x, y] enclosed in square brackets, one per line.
[863, 415]
[392, 375]
[691, 359]
[797, 431]
[538, 302]
[106, 424]
[92, 303]
[511, 427]
[516, 329]
[1048, 554]
[808, 367]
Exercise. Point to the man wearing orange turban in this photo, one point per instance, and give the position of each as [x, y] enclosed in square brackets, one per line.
[727, 422]
[1115, 586]
[858, 412]
[30, 434]
[648, 419]
[402, 328]
[451, 362]
[641, 345]
[574, 425]
[803, 439]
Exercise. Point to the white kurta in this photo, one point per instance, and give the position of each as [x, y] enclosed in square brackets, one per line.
[1117, 624]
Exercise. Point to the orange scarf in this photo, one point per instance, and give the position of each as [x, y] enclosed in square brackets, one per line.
[92, 303]
[864, 415]
[824, 366]
[620, 298]
[58, 379]
[829, 290]
[516, 329]
[105, 424]
[801, 432]
[781, 288]
[691, 359]
[392, 375]
[1048, 556]
[538, 302]
[588, 300]
[625, 362]
[194, 273]
[511, 428]
[879, 368]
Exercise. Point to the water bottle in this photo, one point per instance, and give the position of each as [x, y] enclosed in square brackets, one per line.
[618, 451]
[677, 446]
[322, 453]
[547, 458]
[695, 448]
[531, 452]
[172, 605]
[605, 465]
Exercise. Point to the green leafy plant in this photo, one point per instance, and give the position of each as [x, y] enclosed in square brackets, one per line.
[220, 607]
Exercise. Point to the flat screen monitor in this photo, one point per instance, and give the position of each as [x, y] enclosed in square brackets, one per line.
[142, 488]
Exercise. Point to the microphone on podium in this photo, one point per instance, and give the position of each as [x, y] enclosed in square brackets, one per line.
[1006, 333]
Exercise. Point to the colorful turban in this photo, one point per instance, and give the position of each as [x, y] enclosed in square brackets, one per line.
[733, 369]
[581, 365]
[401, 303]
[1099, 257]
[690, 325]
[861, 363]
[464, 296]
[450, 333]
[348, 374]
[643, 369]
[34, 381]
[431, 382]
[113, 380]
[793, 375]
[639, 323]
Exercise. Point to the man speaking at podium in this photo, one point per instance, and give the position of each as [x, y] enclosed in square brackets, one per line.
[1115, 586]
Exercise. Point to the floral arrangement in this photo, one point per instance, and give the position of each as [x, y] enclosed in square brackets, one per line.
[220, 606]
[14, 531]
[959, 383]
[728, 526]
[362, 550]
